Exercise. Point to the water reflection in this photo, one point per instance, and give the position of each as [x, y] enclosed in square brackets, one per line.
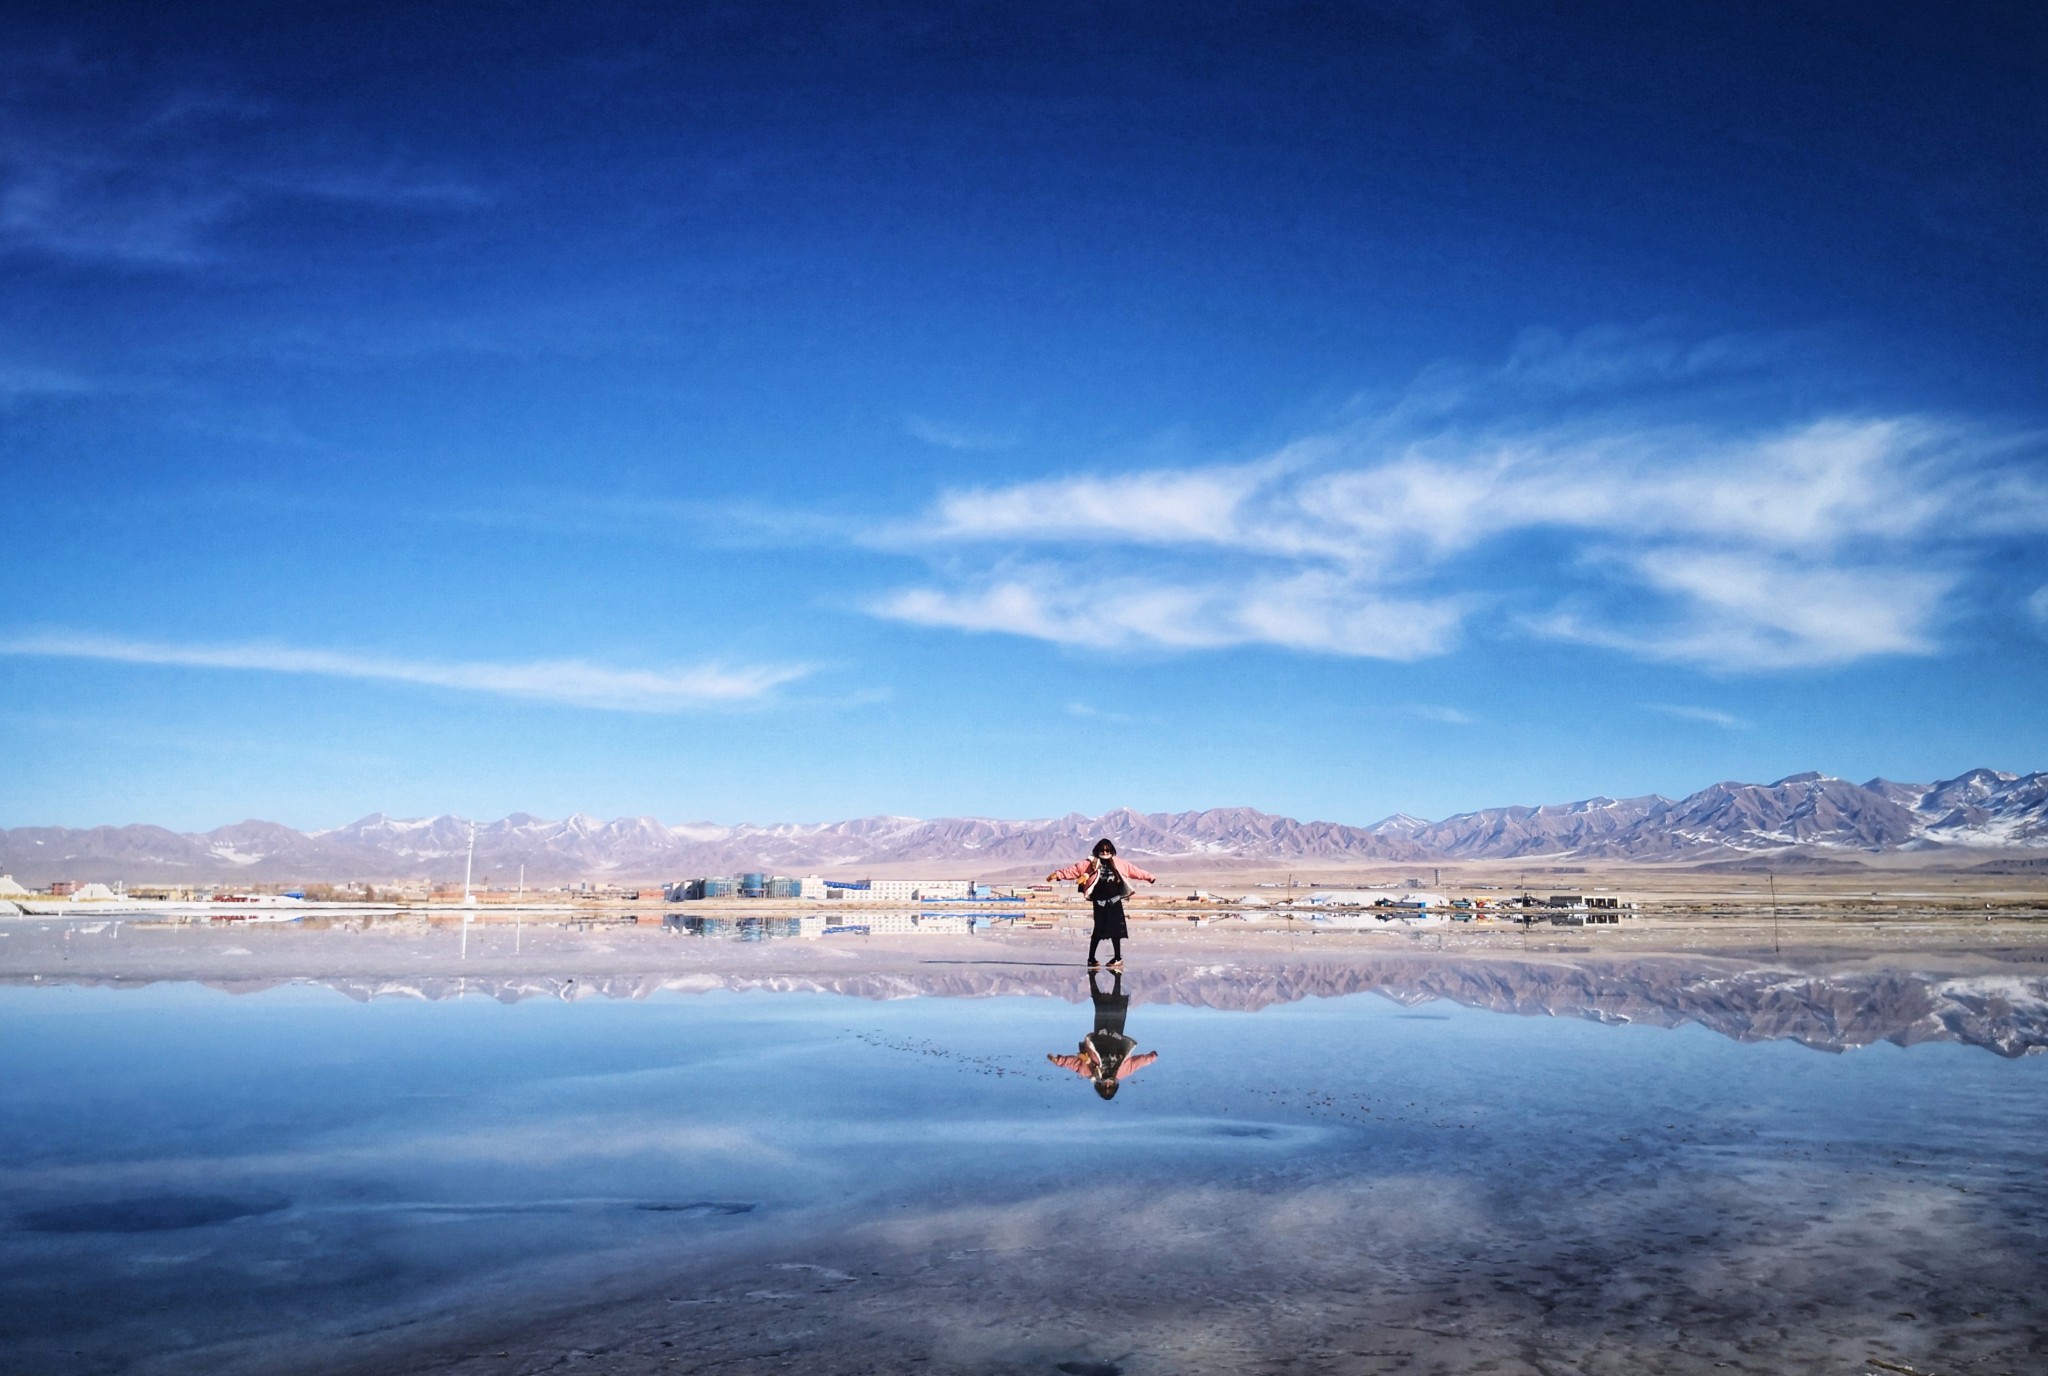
[812, 926]
[734, 928]
[1994, 996]
[200, 1185]
[1105, 1057]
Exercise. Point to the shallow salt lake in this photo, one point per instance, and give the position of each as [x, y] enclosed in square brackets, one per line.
[192, 1179]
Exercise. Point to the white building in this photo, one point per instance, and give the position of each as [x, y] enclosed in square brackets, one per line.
[911, 890]
[1352, 898]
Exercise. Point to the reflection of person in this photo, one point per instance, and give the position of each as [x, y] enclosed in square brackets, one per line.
[1105, 1055]
[1106, 880]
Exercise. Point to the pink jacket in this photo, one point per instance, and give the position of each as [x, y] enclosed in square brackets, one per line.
[1085, 1066]
[1084, 870]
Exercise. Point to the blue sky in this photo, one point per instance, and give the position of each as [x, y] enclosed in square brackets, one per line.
[1013, 410]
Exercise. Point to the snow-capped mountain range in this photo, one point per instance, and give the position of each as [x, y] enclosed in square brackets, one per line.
[1809, 814]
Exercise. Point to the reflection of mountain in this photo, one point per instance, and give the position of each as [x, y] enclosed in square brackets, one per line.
[1807, 814]
[2006, 1014]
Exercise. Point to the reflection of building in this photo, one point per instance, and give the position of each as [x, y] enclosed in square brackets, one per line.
[1589, 909]
[744, 928]
[908, 924]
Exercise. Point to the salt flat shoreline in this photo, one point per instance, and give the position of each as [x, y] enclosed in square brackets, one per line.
[636, 940]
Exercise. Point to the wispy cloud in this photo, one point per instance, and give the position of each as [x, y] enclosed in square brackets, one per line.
[25, 381]
[1447, 716]
[573, 682]
[1727, 721]
[1087, 713]
[1309, 610]
[1819, 542]
[1756, 611]
[1602, 360]
[2037, 607]
[946, 435]
[91, 173]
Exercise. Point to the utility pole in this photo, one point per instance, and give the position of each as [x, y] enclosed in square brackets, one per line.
[468, 866]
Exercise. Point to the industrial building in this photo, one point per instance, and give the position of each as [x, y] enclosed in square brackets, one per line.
[814, 888]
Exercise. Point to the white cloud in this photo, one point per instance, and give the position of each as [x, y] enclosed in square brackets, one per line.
[569, 681]
[1816, 485]
[1195, 506]
[1727, 721]
[1819, 543]
[945, 435]
[1747, 611]
[1309, 610]
[102, 177]
[1448, 716]
[1084, 711]
[2037, 607]
[1598, 359]
[21, 381]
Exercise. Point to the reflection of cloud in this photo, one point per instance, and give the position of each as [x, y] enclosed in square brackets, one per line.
[2037, 607]
[1772, 547]
[567, 1138]
[574, 682]
[1725, 720]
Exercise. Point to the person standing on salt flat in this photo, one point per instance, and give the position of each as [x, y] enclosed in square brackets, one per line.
[1107, 881]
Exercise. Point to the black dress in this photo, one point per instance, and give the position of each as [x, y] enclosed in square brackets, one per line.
[1108, 1040]
[1107, 894]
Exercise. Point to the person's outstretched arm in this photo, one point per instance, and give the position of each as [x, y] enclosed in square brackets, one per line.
[1132, 872]
[1133, 1064]
[1073, 871]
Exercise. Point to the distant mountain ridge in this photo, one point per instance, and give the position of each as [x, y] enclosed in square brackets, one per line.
[1805, 814]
